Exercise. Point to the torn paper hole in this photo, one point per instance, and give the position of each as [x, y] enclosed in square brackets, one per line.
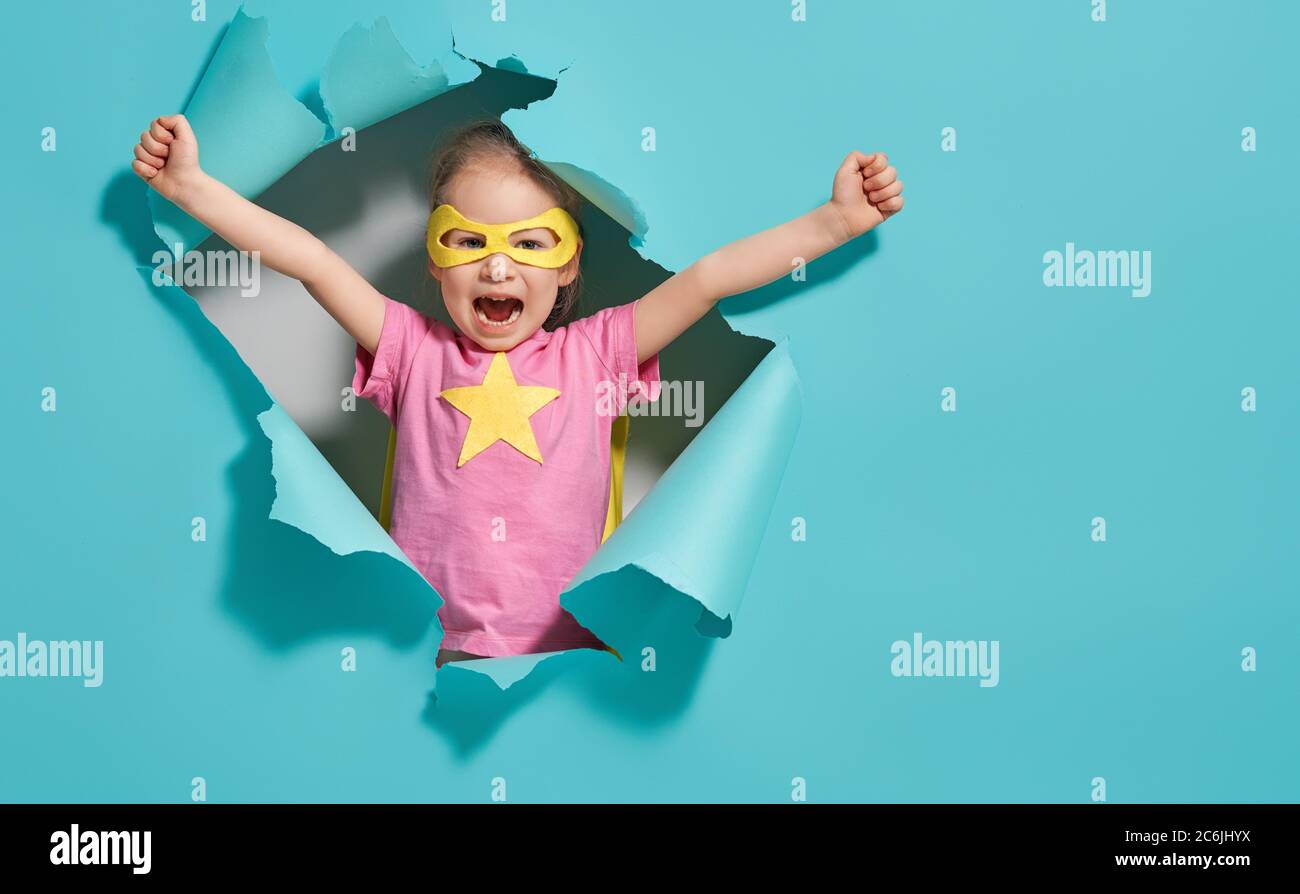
[701, 547]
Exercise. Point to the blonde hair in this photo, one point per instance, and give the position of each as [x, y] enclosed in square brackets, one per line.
[489, 139]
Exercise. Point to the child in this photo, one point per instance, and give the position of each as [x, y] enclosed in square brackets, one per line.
[501, 472]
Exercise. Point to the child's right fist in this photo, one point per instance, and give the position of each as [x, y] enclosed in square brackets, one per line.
[167, 156]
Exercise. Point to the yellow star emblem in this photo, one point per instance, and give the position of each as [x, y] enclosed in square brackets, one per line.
[498, 410]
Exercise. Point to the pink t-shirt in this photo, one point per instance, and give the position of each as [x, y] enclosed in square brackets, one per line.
[501, 536]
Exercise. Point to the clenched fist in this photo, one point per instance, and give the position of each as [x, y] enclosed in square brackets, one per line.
[866, 191]
[167, 156]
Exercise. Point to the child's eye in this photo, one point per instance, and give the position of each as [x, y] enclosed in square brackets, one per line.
[464, 239]
[529, 243]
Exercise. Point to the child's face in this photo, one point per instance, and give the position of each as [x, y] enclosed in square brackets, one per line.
[499, 194]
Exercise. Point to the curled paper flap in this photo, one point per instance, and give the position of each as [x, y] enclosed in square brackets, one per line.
[608, 198]
[311, 496]
[370, 77]
[240, 94]
[700, 528]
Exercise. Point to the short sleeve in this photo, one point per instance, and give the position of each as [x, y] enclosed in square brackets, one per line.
[612, 333]
[380, 377]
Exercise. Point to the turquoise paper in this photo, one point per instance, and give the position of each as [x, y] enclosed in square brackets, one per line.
[1120, 660]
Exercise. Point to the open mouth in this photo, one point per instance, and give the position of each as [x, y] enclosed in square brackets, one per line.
[497, 313]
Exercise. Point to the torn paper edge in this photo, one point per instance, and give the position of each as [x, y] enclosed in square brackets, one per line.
[412, 85]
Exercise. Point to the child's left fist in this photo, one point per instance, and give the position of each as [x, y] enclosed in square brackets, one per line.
[866, 191]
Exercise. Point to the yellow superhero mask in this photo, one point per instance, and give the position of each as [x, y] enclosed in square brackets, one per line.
[496, 238]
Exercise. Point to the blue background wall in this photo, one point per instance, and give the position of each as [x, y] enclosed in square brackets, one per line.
[1118, 659]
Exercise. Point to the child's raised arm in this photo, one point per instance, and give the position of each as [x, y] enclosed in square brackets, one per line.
[167, 158]
[866, 191]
